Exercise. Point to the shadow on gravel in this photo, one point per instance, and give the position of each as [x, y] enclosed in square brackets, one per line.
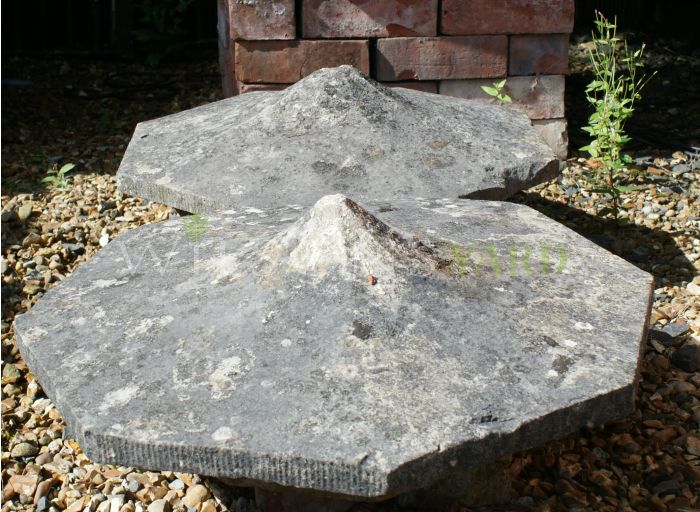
[654, 251]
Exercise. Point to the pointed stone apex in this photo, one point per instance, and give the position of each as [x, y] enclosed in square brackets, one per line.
[328, 98]
[336, 234]
[336, 82]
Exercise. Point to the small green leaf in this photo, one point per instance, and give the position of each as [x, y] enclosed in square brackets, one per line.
[626, 188]
[489, 90]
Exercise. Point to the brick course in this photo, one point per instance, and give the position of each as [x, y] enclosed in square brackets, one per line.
[369, 18]
[467, 17]
[540, 97]
[433, 58]
[539, 55]
[262, 19]
[285, 62]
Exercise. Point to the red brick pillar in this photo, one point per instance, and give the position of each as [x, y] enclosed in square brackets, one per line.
[450, 47]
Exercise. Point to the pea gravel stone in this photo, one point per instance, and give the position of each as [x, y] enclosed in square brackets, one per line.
[335, 131]
[260, 351]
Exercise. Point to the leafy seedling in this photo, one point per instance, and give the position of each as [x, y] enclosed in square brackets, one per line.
[615, 88]
[57, 177]
[497, 91]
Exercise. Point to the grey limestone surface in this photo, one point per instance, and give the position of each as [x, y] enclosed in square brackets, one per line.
[335, 131]
[357, 350]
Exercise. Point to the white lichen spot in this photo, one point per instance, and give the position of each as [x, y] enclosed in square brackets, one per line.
[222, 434]
[286, 342]
[344, 371]
[32, 334]
[583, 326]
[552, 374]
[222, 266]
[222, 377]
[106, 283]
[147, 324]
[568, 343]
[236, 190]
[119, 397]
[78, 321]
[143, 168]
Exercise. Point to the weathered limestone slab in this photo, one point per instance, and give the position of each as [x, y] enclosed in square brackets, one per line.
[333, 132]
[361, 352]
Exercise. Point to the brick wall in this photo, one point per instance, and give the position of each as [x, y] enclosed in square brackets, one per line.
[448, 47]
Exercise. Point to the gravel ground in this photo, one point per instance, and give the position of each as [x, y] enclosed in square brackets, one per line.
[648, 461]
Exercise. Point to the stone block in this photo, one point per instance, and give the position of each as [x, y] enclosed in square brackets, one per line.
[262, 19]
[540, 97]
[334, 131]
[360, 350]
[369, 18]
[476, 17]
[437, 58]
[286, 62]
[554, 132]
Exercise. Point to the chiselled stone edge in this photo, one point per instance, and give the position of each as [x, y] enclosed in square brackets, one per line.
[513, 185]
[337, 477]
[192, 203]
[185, 201]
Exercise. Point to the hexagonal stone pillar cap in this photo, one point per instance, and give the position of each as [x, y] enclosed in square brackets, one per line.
[335, 131]
[362, 350]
